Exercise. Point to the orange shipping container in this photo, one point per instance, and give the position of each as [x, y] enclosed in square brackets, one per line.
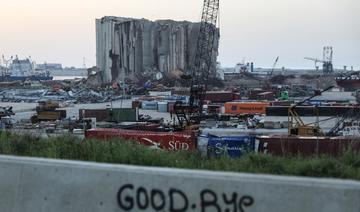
[246, 107]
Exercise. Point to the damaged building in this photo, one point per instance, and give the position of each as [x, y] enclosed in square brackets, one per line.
[142, 49]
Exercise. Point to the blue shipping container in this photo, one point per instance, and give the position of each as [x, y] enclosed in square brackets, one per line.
[233, 147]
[183, 99]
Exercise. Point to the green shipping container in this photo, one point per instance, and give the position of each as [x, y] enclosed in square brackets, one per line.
[122, 115]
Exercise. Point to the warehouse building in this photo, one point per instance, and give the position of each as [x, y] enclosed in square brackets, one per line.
[142, 49]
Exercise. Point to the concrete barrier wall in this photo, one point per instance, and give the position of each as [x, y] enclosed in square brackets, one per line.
[39, 185]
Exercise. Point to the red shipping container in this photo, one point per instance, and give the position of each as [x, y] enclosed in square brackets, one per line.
[307, 146]
[253, 94]
[239, 108]
[171, 107]
[172, 141]
[99, 114]
[221, 96]
[270, 96]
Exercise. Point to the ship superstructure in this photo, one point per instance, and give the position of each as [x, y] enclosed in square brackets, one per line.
[21, 70]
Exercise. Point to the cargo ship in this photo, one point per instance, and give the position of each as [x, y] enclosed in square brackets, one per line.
[349, 83]
[23, 70]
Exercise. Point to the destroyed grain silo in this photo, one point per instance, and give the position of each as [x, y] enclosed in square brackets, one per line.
[139, 49]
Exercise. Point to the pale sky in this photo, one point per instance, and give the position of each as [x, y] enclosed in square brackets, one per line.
[258, 30]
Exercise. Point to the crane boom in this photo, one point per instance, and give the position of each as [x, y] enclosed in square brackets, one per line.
[206, 41]
[296, 124]
[326, 61]
[314, 59]
[202, 66]
[204, 53]
[274, 66]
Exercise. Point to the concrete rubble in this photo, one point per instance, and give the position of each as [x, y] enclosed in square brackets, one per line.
[74, 95]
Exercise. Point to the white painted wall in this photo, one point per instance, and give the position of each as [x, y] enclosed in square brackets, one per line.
[41, 185]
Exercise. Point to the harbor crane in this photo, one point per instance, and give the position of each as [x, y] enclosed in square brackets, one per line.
[201, 71]
[327, 60]
[273, 67]
[267, 81]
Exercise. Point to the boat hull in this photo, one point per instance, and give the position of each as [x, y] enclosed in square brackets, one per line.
[349, 84]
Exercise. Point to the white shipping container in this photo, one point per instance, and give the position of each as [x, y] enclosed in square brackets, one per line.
[149, 105]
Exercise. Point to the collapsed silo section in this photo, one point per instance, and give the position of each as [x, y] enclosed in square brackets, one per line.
[139, 49]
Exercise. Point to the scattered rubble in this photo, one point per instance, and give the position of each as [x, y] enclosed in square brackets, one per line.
[61, 93]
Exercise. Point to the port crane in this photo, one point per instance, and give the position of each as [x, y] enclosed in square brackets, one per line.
[201, 71]
[270, 74]
[327, 60]
[297, 125]
[267, 80]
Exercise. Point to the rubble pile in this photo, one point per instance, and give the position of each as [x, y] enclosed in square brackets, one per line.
[74, 96]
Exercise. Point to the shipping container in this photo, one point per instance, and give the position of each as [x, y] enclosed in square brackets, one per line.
[142, 126]
[149, 105]
[232, 146]
[221, 96]
[243, 131]
[246, 108]
[253, 94]
[122, 115]
[213, 109]
[171, 107]
[281, 103]
[172, 141]
[51, 115]
[185, 92]
[159, 93]
[272, 125]
[311, 110]
[163, 107]
[99, 114]
[268, 95]
[183, 99]
[306, 146]
[135, 104]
